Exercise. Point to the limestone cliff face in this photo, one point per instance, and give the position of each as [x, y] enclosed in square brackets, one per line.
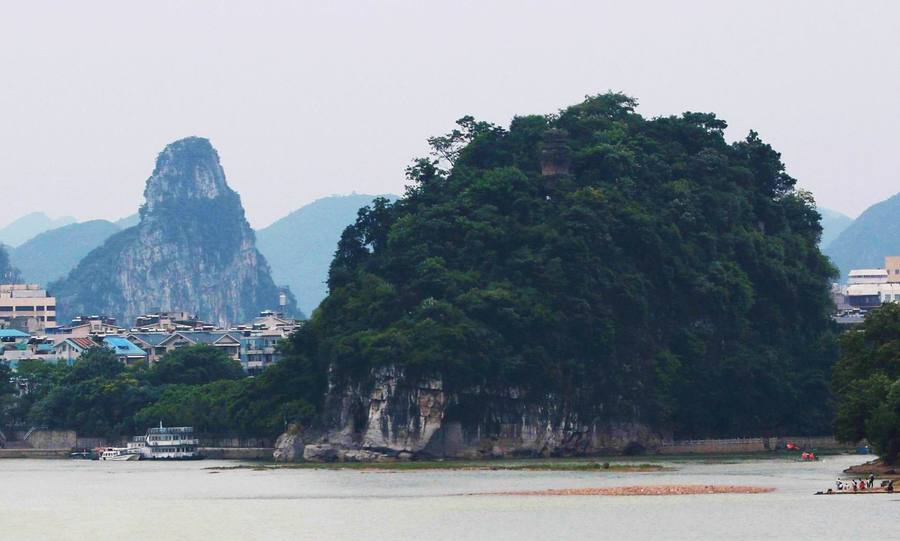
[192, 250]
[399, 418]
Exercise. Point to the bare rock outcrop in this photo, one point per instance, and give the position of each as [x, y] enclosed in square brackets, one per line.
[289, 446]
[397, 419]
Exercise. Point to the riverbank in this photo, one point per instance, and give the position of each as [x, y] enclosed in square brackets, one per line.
[877, 467]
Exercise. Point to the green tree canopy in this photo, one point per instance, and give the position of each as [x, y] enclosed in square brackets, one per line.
[96, 362]
[196, 365]
[867, 383]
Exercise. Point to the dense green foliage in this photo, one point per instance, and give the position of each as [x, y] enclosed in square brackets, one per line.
[96, 396]
[259, 406]
[867, 383]
[659, 274]
[197, 386]
[197, 365]
[873, 235]
[300, 246]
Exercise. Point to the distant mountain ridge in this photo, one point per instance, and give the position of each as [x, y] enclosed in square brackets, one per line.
[30, 225]
[872, 236]
[833, 224]
[300, 246]
[52, 254]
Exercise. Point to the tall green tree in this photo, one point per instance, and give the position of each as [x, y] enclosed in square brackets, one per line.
[867, 383]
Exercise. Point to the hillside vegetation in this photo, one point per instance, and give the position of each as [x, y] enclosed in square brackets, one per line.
[661, 274]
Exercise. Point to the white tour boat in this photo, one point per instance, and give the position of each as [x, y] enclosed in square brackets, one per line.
[166, 443]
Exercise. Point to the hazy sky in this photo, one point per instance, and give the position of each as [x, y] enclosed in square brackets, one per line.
[304, 100]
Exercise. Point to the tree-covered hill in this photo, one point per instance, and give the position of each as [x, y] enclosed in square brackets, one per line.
[872, 236]
[627, 268]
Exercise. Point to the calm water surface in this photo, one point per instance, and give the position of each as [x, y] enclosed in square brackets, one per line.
[47, 499]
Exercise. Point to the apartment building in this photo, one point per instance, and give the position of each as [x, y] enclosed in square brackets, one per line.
[29, 304]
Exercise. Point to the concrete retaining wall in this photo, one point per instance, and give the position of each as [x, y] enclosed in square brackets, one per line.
[237, 453]
[91, 443]
[52, 439]
[34, 453]
[751, 445]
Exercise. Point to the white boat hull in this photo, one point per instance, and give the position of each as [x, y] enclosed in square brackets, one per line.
[122, 457]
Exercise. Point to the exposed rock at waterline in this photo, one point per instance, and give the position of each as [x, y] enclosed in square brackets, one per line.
[399, 419]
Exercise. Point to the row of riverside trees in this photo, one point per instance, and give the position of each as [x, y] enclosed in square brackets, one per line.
[198, 386]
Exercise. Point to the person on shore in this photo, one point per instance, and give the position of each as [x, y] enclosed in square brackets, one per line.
[890, 487]
[871, 480]
[839, 485]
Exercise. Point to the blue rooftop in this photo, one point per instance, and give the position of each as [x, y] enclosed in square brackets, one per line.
[122, 346]
[13, 333]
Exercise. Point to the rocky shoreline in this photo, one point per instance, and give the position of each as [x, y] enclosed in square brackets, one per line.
[877, 466]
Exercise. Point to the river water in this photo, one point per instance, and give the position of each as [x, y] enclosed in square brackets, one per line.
[62, 499]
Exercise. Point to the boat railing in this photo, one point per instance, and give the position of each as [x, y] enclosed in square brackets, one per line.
[172, 430]
[170, 443]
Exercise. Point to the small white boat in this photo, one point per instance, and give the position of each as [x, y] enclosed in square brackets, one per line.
[119, 453]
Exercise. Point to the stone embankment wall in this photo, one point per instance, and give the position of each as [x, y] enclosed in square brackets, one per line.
[34, 453]
[237, 453]
[750, 445]
[52, 439]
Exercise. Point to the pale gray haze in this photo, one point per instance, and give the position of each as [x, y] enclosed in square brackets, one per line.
[306, 99]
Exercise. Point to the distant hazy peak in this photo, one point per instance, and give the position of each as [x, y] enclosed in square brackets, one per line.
[186, 169]
[30, 225]
[833, 224]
